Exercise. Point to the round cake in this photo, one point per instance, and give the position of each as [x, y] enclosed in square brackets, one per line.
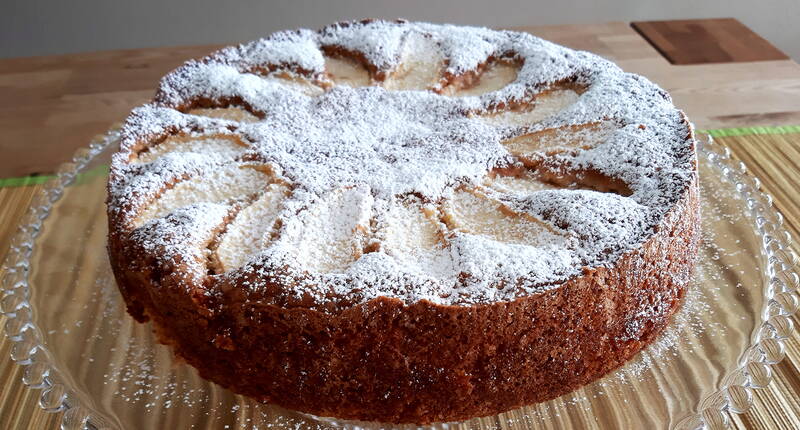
[404, 222]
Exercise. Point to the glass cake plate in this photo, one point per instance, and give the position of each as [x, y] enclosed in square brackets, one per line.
[92, 361]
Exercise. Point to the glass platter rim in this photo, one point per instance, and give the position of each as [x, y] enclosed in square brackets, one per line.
[764, 350]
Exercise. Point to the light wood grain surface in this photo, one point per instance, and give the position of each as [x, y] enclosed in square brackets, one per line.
[60, 102]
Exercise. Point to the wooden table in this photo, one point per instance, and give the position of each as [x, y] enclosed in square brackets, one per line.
[55, 104]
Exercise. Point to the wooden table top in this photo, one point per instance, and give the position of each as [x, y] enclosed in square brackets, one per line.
[55, 104]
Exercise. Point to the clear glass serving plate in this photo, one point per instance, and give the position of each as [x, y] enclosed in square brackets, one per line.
[93, 362]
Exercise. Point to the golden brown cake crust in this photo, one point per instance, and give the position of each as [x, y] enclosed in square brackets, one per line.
[393, 360]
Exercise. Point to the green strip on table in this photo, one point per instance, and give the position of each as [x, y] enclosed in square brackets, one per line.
[41, 179]
[745, 131]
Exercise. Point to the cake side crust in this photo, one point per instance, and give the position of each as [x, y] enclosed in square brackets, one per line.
[260, 210]
[420, 363]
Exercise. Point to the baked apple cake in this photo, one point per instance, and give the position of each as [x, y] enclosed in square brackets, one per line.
[404, 222]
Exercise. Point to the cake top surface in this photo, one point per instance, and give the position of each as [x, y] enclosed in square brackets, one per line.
[417, 161]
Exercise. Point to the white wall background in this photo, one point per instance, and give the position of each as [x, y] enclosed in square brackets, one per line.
[39, 27]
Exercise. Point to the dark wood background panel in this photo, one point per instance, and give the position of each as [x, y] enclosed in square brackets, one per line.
[702, 41]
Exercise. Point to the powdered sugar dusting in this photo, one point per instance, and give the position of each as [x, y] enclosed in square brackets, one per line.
[293, 50]
[351, 155]
[250, 231]
[183, 235]
[330, 235]
[380, 42]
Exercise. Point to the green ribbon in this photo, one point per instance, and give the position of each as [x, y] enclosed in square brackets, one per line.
[82, 178]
